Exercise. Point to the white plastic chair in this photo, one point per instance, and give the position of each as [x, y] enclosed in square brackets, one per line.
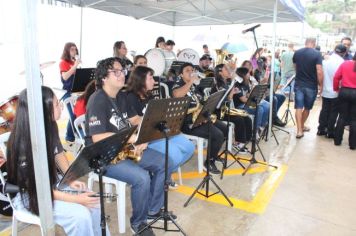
[17, 215]
[119, 185]
[71, 102]
[200, 146]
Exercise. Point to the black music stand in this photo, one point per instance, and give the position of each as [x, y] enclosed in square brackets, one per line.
[288, 112]
[204, 116]
[96, 157]
[163, 118]
[226, 151]
[82, 78]
[254, 99]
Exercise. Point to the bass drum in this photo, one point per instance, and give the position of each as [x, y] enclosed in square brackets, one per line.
[189, 55]
[160, 60]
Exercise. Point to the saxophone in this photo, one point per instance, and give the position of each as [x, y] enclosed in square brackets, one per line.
[195, 110]
[128, 152]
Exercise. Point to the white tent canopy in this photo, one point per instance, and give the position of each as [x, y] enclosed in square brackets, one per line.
[200, 12]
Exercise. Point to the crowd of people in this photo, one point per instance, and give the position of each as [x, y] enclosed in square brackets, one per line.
[118, 98]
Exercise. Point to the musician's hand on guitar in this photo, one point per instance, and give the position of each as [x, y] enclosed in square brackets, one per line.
[78, 185]
[87, 200]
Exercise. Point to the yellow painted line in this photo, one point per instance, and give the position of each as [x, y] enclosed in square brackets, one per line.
[6, 232]
[257, 205]
[62, 124]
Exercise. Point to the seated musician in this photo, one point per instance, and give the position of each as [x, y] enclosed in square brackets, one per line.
[204, 65]
[278, 99]
[185, 86]
[241, 98]
[76, 214]
[243, 124]
[107, 113]
[140, 85]
[120, 51]
[81, 103]
[140, 60]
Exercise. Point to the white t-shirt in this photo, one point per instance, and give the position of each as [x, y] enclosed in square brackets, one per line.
[330, 67]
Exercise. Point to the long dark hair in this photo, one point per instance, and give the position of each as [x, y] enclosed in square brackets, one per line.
[116, 47]
[219, 79]
[89, 90]
[354, 59]
[19, 150]
[137, 81]
[244, 65]
[66, 51]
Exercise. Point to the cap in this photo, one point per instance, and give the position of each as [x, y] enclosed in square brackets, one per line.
[205, 46]
[340, 48]
[206, 57]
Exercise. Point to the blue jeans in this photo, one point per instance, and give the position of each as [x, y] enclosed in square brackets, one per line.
[75, 219]
[304, 97]
[180, 150]
[262, 113]
[70, 133]
[278, 100]
[146, 193]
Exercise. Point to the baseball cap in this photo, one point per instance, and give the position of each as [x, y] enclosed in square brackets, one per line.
[340, 48]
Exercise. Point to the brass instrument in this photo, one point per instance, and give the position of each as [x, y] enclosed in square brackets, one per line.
[195, 110]
[233, 112]
[220, 56]
[128, 152]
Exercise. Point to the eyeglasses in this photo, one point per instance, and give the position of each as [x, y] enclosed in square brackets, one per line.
[117, 73]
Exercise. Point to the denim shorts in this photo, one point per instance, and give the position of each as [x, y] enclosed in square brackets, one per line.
[304, 97]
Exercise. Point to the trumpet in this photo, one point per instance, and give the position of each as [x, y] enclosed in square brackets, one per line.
[233, 112]
[128, 152]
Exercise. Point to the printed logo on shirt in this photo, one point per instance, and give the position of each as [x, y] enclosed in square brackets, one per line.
[117, 121]
[93, 121]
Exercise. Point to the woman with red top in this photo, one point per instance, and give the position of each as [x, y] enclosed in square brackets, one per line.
[67, 67]
[81, 103]
[345, 84]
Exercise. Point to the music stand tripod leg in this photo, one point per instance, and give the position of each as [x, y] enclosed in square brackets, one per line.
[207, 177]
[166, 214]
[226, 152]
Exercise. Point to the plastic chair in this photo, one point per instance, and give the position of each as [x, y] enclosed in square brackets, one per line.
[200, 146]
[120, 186]
[17, 215]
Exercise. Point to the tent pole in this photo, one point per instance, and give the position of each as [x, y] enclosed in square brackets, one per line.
[81, 29]
[272, 68]
[35, 110]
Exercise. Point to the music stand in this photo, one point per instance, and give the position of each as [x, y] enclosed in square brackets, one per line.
[176, 65]
[82, 78]
[253, 100]
[226, 151]
[204, 116]
[163, 118]
[96, 157]
[288, 112]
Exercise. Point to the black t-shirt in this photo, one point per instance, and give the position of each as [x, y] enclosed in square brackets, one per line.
[306, 60]
[105, 114]
[136, 103]
[193, 93]
[244, 89]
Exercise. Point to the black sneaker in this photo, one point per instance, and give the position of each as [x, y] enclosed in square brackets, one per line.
[329, 135]
[321, 133]
[161, 213]
[278, 122]
[243, 150]
[220, 159]
[212, 168]
[147, 232]
[173, 185]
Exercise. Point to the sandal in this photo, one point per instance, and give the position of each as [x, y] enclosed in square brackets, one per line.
[299, 136]
[306, 129]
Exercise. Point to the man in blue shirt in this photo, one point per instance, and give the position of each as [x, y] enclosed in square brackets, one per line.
[309, 73]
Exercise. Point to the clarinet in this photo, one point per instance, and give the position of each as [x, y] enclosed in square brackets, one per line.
[77, 192]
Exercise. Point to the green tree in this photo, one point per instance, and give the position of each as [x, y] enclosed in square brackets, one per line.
[344, 16]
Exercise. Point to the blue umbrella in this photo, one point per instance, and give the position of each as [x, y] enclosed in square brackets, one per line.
[233, 48]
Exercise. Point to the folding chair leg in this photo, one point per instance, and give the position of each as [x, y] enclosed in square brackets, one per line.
[200, 146]
[121, 207]
[180, 176]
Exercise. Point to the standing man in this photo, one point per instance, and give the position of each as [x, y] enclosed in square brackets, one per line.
[329, 111]
[347, 42]
[309, 73]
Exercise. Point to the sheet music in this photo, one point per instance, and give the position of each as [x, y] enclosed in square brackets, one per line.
[232, 85]
[289, 81]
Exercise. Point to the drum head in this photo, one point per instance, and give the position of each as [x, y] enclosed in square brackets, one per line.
[189, 55]
[169, 57]
[156, 60]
